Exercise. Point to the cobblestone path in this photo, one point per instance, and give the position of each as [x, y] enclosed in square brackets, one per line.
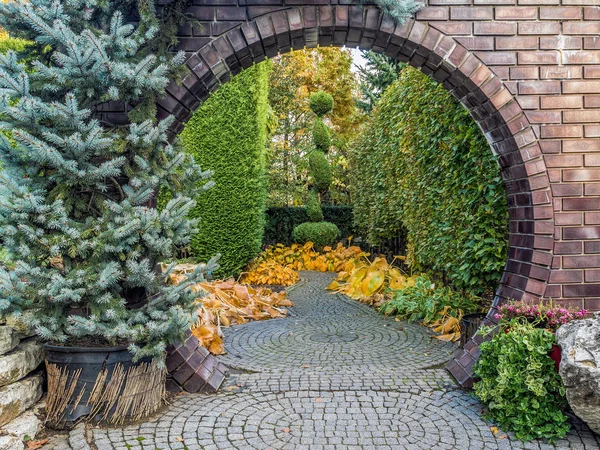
[333, 375]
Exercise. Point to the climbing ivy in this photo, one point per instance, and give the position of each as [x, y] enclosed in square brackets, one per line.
[423, 164]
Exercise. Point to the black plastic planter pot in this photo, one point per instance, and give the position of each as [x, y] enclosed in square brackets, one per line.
[84, 375]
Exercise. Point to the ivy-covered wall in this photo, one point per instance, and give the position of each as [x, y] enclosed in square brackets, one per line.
[228, 135]
[423, 164]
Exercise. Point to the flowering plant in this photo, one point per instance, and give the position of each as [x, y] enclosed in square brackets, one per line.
[543, 315]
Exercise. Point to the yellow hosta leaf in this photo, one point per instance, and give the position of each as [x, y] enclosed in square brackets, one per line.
[372, 282]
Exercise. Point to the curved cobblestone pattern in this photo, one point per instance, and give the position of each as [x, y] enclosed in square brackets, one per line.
[333, 375]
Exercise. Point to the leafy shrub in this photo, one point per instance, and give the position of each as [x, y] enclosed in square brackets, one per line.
[320, 233]
[422, 163]
[228, 136]
[321, 103]
[313, 207]
[321, 136]
[519, 384]
[427, 303]
[281, 221]
[320, 170]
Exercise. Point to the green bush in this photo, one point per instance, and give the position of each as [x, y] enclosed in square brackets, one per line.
[425, 302]
[281, 221]
[519, 384]
[422, 164]
[228, 136]
[313, 207]
[319, 233]
[321, 103]
[320, 170]
[321, 136]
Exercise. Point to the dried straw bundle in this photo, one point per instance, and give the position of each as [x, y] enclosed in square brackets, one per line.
[124, 395]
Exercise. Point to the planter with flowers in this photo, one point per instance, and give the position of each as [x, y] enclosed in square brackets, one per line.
[516, 372]
[547, 316]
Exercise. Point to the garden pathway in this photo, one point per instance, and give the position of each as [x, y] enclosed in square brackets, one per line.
[334, 374]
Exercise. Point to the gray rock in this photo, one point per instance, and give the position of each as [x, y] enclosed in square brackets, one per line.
[580, 368]
[20, 362]
[16, 398]
[26, 425]
[9, 442]
[9, 339]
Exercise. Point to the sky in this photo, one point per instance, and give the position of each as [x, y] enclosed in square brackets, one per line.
[359, 61]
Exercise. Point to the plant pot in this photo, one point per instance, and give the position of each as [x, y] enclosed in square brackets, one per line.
[469, 324]
[100, 384]
[556, 355]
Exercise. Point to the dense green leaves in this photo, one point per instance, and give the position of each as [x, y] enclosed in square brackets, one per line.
[228, 136]
[321, 103]
[320, 170]
[423, 164]
[519, 384]
[281, 222]
[319, 233]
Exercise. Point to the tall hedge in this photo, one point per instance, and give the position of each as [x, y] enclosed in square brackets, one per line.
[228, 135]
[423, 164]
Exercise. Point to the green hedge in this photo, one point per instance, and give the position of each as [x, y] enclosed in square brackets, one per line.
[423, 164]
[228, 135]
[281, 221]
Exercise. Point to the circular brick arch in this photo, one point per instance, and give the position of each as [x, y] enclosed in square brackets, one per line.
[463, 74]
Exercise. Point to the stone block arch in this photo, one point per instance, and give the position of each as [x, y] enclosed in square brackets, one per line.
[525, 73]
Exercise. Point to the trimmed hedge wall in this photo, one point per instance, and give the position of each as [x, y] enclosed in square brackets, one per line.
[228, 135]
[423, 164]
[280, 222]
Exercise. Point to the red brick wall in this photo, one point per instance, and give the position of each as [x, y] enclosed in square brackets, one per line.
[527, 70]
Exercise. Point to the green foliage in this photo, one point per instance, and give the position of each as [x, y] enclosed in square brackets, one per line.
[74, 194]
[320, 170]
[313, 207]
[519, 384]
[228, 136]
[425, 302]
[321, 103]
[319, 233]
[321, 136]
[281, 221]
[423, 164]
[376, 75]
[7, 43]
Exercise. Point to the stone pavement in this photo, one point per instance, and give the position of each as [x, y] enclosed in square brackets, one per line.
[333, 375]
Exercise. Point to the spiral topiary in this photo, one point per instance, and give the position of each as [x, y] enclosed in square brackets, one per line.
[321, 103]
[320, 170]
[313, 207]
[321, 137]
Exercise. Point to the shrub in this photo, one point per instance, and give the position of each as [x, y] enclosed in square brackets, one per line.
[281, 221]
[320, 170]
[321, 103]
[426, 302]
[228, 136]
[319, 233]
[422, 163]
[321, 136]
[313, 207]
[519, 384]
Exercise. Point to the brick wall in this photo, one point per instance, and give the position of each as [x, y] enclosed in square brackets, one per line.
[527, 70]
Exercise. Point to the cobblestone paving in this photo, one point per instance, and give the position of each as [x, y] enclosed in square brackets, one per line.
[333, 375]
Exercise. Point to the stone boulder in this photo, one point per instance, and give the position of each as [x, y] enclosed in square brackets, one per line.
[16, 398]
[20, 362]
[580, 368]
[9, 339]
[12, 434]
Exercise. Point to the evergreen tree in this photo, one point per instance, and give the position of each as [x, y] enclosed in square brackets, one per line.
[379, 72]
[399, 10]
[74, 195]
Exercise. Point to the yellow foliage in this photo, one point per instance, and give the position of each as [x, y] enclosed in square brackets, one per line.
[225, 303]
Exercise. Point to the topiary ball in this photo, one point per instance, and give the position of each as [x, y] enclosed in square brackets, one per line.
[321, 103]
[320, 234]
[313, 207]
[321, 137]
[320, 170]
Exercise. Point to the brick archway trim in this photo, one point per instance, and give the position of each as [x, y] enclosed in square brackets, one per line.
[464, 75]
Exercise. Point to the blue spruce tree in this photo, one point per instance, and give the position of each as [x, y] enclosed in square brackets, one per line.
[75, 195]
